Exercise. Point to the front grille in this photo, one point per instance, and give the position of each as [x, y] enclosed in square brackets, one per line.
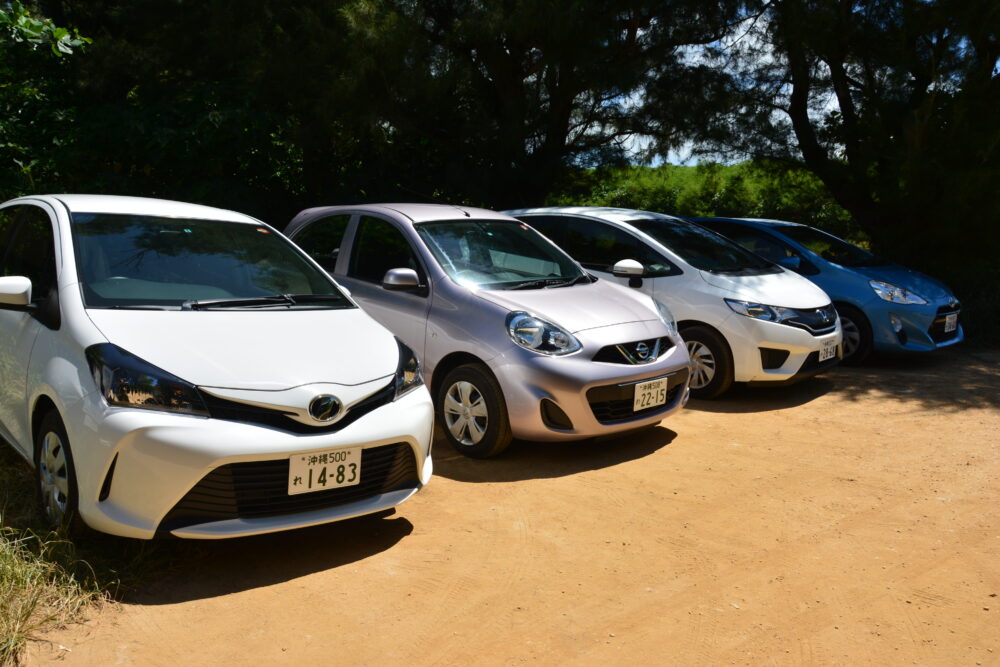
[936, 330]
[612, 403]
[817, 321]
[260, 488]
[220, 408]
[632, 353]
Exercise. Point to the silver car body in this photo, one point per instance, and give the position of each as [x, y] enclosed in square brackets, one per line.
[450, 324]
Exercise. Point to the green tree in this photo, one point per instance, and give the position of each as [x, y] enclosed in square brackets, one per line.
[891, 103]
[34, 116]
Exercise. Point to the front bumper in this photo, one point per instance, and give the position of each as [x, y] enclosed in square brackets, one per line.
[591, 398]
[138, 468]
[751, 341]
[923, 326]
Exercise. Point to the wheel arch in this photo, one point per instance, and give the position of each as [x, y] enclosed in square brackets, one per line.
[687, 324]
[43, 405]
[837, 303]
[449, 363]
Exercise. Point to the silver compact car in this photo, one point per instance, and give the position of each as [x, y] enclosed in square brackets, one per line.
[516, 338]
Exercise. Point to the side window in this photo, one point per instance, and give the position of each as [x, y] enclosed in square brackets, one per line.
[600, 246]
[32, 252]
[7, 217]
[378, 247]
[321, 239]
[758, 242]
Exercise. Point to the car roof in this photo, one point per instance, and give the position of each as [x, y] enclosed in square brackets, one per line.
[610, 213]
[118, 204]
[415, 213]
[766, 222]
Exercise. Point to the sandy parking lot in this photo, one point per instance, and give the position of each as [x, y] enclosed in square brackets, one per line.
[852, 519]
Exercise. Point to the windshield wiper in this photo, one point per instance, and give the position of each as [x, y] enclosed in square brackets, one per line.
[316, 298]
[536, 284]
[138, 306]
[245, 302]
[572, 281]
[263, 301]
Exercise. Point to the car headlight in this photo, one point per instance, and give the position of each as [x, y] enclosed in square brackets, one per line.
[666, 317]
[894, 294]
[536, 334]
[127, 381]
[759, 311]
[408, 375]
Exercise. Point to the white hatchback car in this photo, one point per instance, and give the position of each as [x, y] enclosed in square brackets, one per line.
[744, 319]
[177, 369]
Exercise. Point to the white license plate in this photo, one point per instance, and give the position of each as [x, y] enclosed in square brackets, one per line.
[950, 322]
[317, 471]
[828, 351]
[649, 394]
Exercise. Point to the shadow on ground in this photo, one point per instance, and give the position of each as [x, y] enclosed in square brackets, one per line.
[743, 398]
[949, 380]
[198, 570]
[165, 571]
[541, 460]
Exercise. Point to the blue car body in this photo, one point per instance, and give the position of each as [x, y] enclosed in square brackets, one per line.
[917, 327]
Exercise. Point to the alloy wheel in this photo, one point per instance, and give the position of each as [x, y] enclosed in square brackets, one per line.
[54, 477]
[702, 364]
[465, 413]
[852, 336]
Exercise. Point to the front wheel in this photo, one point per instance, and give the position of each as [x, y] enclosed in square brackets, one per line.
[472, 410]
[711, 362]
[55, 477]
[857, 334]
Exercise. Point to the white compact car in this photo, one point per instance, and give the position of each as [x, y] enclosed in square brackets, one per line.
[744, 319]
[177, 369]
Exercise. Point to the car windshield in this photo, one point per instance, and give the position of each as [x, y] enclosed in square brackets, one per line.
[831, 248]
[141, 262]
[498, 254]
[704, 249]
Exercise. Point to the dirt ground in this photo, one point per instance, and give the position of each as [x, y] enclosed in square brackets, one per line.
[852, 519]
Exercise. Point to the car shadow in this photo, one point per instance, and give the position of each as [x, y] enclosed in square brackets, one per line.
[949, 380]
[525, 460]
[761, 398]
[206, 569]
[165, 571]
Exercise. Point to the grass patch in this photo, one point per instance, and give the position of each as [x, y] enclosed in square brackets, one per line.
[48, 580]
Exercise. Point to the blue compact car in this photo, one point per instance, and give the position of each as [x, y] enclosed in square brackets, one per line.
[882, 305]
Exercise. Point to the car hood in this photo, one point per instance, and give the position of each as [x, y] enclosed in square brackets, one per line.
[260, 350]
[773, 289]
[900, 276]
[580, 307]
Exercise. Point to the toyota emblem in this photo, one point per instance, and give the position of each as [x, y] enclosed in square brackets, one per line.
[325, 408]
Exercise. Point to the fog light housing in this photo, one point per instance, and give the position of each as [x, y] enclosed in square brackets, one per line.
[895, 322]
[554, 417]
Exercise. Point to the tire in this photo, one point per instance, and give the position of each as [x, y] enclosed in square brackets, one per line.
[55, 477]
[857, 344]
[471, 409]
[711, 362]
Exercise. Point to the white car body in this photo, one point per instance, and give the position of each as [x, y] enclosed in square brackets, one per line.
[134, 467]
[698, 297]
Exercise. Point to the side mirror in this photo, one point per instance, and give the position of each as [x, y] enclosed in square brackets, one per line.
[401, 280]
[631, 269]
[791, 262]
[15, 291]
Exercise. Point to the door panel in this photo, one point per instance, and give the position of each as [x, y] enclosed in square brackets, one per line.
[378, 246]
[28, 250]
